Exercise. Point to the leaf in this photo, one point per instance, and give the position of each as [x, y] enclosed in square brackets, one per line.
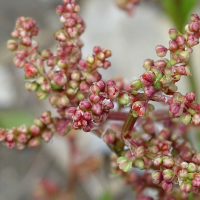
[105, 196]
[15, 118]
[179, 11]
[124, 163]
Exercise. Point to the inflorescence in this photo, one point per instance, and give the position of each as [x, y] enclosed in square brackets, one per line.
[84, 102]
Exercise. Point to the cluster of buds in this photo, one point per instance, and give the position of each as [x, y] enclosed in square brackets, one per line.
[127, 5]
[43, 128]
[84, 101]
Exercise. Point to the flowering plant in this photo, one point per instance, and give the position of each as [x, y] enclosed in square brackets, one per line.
[84, 101]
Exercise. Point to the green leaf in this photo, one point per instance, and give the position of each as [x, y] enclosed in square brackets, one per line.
[124, 163]
[15, 118]
[179, 11]
[105, 196]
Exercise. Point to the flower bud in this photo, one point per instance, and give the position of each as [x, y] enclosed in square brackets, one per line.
[70, 112]
[90, 59]
[148, 63]
[101, 84]
[186, 187]
[175, 110]
[161, 50]
[196, 119]
[76, 75]
[157, 161]
[124, 99]
[60, 36]
[31, 86]
[62, 64]
[52, 61]
[84, 86]
[196, 182]
[139, 152]
[46, 86]
[139, 163]
[47, 135]
[173, 33]
[85, 105]
[124, 163]
[60, 79]
[184, 55]
[34, 142]
[94, 98]
[38, 123]
[63, 101]
[157, 176]
[149, 91]
[19, 62]
[192, 167]
[196, 159]
[87, 116]
[180, 40]
[112, 92]
[168, 175]
[173, 46]
[95, 89]
[183, 174]
[147, 78]
[26, 41]
[194, 27]
[97, 109]
[136, 84]
[140, 108]
[185, 118]
[168, 162]
[12, 45]
[46, 117]
[190, 97]
[194, 17]
[31, 70]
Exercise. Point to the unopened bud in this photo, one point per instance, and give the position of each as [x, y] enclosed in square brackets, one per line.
[124, 163]
[161, 50]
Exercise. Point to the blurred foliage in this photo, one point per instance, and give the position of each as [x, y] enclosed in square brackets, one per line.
[15, 118]
[179, 11]
[106, 196]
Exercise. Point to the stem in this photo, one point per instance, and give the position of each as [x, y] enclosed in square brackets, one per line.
[129, 123]
[122, 116]
[190, 196]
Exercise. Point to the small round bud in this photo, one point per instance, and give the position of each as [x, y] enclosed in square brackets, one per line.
[12, 45]
[139, 152]
[124, 163]
[173, 33]
[147, 78]
[185, 118]
[168, 175]
[157, 176]
[139, 163]
[148, 63]
[161, 50]
[192, 167]
[186, 187]
[168, 162]
[190, 97]
[196, 119]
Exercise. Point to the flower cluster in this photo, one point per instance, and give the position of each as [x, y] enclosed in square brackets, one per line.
[85, 101]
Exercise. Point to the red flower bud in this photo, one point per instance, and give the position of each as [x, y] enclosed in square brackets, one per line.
[149, 91]
[190, 97]
[31, 70]
[97, 109]
[60, 78]
[157, 176]
[94, 98]
[85, 105]
[175, 110]
[147, 78]
[112, 92]
[173, 46]
[180, 40]
[194, 27]
[186, 187]
[148, 63]
[140, 108]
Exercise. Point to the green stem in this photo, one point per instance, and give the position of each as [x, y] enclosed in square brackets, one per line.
[190, 196]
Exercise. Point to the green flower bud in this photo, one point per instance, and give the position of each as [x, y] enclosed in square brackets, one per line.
[139, 163]
[124, 163]
[124, 99]
[185, 118]
[136, 84]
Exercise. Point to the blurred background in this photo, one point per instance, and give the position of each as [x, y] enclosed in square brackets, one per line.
[132, 39]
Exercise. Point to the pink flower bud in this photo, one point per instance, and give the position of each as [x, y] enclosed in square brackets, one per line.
[196, 119]
[87, 116]
[95, 89]
[175, 110]
[161, 50]
[192, 41]
[173, 33]
[26, 41]
[60, 78]
[173, 46]
[194, 18]
[107, 104]
[34, 142]
[97, 109]
[186, 187]
[183, 55]
[35, 130]
[52, 61]
[181, 70]
[60, 9]
[140, 108]
[82, 65]
[76, 75]
[101, 84]
[149, 91]
[46, 117]
[167, 186]
[93, 77]
[85, 105]
[190, 97]
[157, 161]
[196, 182]
[112, 92]
[157, 176]
[94, 98]
[19, 62]
[192, 167]
[182, 174]
[180, 40]
[106, 64]
[70, 112]
[63, 101]
[168, 175]
[22, 138]
[194, 27]
[168, 162]
[31, 70]
[60, 36]
[110, 82]
[97, 49]
[84, 86]
[89, 127]
[196, 159]
[147, 78]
